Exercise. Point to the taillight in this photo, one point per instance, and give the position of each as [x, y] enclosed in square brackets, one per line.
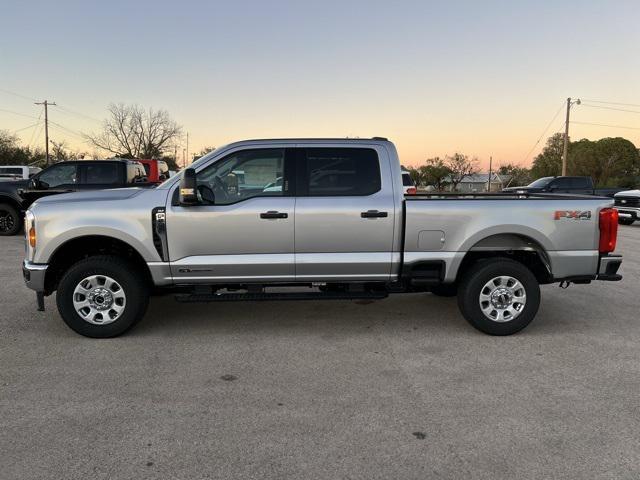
[412, 191]
[608, 230]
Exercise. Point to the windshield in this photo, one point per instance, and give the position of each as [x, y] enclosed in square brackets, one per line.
[541, 182]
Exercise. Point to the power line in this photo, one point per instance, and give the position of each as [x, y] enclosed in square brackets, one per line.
[68, 130]
[17, 113]
[72, 112]
[18, 95]
[544, 132]
[26, 128]
[34, 132]
[612, 103]
[611, 108]
[605, 125]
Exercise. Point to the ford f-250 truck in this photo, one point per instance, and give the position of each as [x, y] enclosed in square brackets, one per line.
[336, 226]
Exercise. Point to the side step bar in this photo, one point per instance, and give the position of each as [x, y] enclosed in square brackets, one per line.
[261, 297]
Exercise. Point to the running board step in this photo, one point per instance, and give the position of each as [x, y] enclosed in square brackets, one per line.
[261, 297]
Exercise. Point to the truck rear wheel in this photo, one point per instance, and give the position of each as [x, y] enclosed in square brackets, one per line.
[9, 220]
[102, 296]
[499, 296]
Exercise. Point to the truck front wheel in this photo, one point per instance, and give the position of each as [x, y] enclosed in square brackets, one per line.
[102, 296]
[499, 296]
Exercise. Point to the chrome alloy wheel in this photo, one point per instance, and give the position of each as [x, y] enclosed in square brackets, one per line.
[502, 299]
[99, 299]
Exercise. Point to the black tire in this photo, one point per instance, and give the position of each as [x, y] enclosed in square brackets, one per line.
[126, 275]
[445, 290]
[626, 221]
[10, 221]
[475, 280]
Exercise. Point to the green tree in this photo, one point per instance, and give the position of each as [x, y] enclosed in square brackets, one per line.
[12, 153]
[608, 161]
[549, 162]
[519, 176]
[435, 173]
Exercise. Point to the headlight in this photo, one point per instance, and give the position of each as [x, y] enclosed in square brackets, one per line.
[30, 233]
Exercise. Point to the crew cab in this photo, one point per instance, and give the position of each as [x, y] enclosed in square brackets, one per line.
[64, 177]
[628, 206]
[577, 185]
[338, 227]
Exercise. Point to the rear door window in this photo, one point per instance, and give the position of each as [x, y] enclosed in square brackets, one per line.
[99, 173]
[580, 182]
[561, 183]
[340, 172]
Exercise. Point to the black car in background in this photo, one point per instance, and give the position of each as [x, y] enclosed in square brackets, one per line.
[574, 185]
[64, 177]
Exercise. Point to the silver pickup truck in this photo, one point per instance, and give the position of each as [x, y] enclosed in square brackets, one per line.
[328, 217]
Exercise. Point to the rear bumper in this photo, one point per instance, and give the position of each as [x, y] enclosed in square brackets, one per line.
[34, 274]
[608, 268]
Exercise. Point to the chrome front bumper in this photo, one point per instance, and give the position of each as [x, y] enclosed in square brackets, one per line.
[628, 212]
[34, 274]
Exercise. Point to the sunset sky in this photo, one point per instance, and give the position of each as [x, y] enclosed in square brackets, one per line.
[482, 78]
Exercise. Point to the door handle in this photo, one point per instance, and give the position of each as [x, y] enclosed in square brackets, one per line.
[274, 214]
[373, 214]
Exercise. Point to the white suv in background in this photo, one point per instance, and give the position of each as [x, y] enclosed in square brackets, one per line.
[17, 172]
[628, 206]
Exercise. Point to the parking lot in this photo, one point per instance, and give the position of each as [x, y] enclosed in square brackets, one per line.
[399, 388]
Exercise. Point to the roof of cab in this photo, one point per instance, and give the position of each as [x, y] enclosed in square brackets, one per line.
[308, 140]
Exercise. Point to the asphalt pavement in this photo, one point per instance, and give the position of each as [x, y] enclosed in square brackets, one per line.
[401, 388]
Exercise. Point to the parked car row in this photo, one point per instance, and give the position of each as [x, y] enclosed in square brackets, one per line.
[327, 216]
[71, 176]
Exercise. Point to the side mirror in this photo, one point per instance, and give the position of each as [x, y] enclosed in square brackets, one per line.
[35, 184]
[188, 188]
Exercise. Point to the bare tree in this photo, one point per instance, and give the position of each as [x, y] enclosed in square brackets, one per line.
[461, 166]
[133, 132]
[60, 152]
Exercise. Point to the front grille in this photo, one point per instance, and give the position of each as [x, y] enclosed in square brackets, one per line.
[627, 201]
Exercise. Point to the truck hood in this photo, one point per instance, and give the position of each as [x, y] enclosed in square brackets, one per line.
[628, 193]
[92, 196]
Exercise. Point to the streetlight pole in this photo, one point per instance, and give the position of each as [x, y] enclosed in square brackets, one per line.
[565, 148]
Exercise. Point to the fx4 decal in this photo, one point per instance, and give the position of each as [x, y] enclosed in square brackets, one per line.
[574, 214]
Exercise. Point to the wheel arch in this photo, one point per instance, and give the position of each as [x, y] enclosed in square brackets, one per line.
[75, 249]
[516, 246]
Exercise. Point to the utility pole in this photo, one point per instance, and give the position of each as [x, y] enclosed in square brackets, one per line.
[490, 161]
[565, 148]
[46, 126]
[187, 144]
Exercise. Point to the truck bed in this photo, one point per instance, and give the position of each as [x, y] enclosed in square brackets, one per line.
[443, 227]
